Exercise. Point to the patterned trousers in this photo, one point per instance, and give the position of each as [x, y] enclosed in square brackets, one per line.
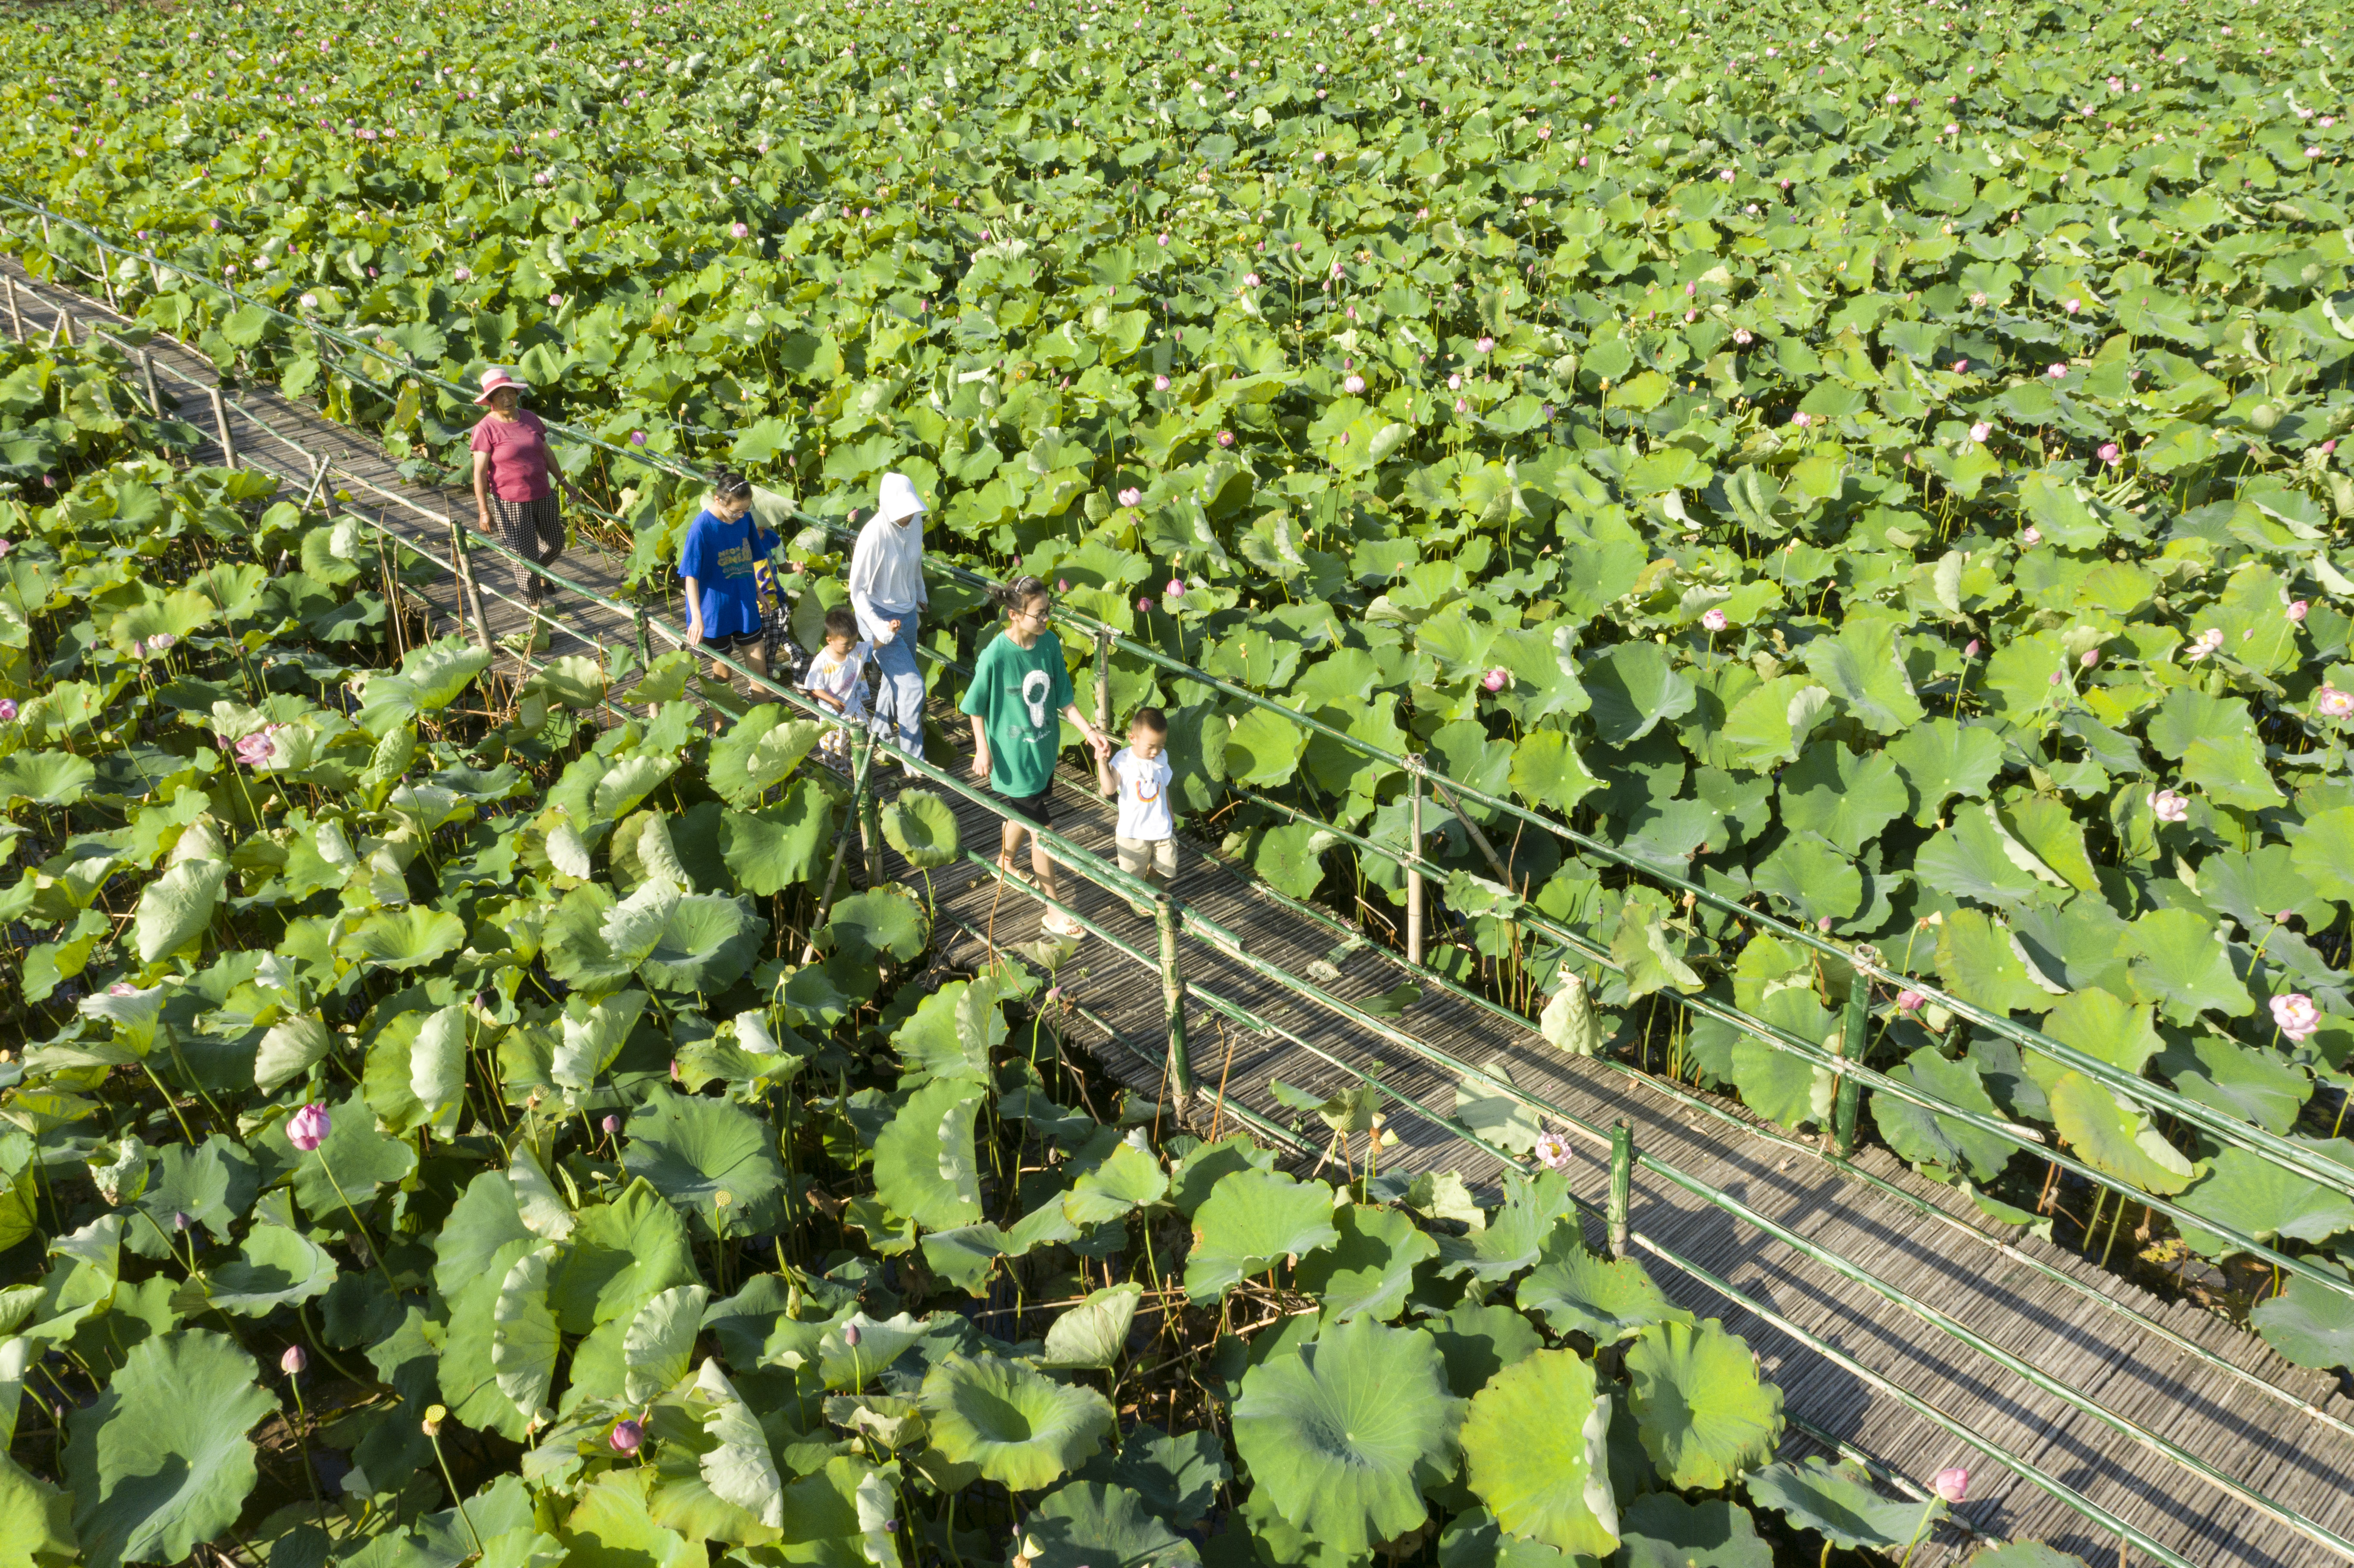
[533, 529]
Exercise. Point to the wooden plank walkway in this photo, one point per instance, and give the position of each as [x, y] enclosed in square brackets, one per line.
[1944, 1259]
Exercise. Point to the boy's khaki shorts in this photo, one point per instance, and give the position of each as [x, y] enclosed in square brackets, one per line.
[1139, 855]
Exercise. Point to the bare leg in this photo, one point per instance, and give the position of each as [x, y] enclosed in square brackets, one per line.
[1043, 864]
[1009, 839]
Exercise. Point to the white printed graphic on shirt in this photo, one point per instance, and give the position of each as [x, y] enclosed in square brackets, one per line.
[1143, 797]
[1034, 687]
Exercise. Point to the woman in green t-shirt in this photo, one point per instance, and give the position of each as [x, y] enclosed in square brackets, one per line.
[1020, 694]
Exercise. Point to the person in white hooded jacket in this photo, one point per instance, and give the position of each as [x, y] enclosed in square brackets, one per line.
[886, 594]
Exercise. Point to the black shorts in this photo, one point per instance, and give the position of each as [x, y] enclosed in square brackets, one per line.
[734, 642]
[1029, 808]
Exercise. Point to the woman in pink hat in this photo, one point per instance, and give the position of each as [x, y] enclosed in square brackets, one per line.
[511, 485]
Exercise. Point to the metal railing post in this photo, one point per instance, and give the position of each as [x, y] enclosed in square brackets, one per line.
[1414, 921]
[1851, 1049]
[468, 594]
[1622, 1186]
[1173, 1002]
[220, 428]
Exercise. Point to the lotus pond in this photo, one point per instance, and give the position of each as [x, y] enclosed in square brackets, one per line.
[1882, 468]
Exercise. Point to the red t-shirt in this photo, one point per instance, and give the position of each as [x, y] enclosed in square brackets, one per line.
[518, 448]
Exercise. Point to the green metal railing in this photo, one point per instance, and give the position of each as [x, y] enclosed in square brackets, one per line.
[1175, 919]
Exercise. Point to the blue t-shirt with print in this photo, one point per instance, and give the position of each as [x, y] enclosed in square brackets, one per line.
[720, 555]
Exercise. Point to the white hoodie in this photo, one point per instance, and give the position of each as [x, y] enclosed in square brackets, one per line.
[886, 567]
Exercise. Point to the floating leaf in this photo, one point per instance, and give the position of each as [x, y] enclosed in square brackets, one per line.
[1254, 1219]
[1574, 1290]
[1703, 1416]
[160, 1463]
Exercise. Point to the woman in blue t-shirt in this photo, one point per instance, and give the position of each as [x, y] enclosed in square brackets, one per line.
[726, 563]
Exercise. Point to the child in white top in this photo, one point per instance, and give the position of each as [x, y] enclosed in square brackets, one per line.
[836, 678]
[1140, 775]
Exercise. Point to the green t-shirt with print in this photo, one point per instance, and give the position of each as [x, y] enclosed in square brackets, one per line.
[1019, 694]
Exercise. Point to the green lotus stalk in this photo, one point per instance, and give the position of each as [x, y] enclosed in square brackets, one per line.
[434, 1415]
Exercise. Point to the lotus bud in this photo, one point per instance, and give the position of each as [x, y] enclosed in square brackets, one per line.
[674, 1070]
[1961, 367]
[1143, 605]
[308, 1128]
[628, 1437]
[1910, 1002]
[2057, 370]
[850, 1335]
[292, 1362]
[2297, 1016]
[1176, 588]
[611, 1124]
[1953, 1486]
[1713, 619]
[434, 1415]
[2298, 610]
[2092, 657]
[1497, 679]
[1161, 384]
[2168, 806]
[180, 1220]
[1980, 431]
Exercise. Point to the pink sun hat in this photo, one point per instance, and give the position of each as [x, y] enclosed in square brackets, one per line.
[495, 379]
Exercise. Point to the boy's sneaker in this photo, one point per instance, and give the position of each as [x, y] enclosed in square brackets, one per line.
[1058, 924]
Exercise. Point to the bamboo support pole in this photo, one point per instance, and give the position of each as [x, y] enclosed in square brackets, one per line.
[16, 316]
[220, 428]
[470, 597]
[1103, 684]
[147, 379]
[1414, 894]
[645, 637]
[1172, 1000]
[863, 807]
[1852, 1046]
[1622, 1186]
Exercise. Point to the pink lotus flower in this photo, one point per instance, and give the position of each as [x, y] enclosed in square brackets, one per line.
[2298, 610]
[254, 750]
[1953, 1486]
[2072, 306]
[1176, 588]
[1462, 405]
[1486, 345]
[1713, 619]
[310, 302]
[2032, 536]
[1143, 606]
[739, 230]
[2205, 643]
[292, 1362]
[628, 1437]
[2169, 807]
[8, 710]
[1980, 431]
[1164, 239]
[1161, 384]
[463, 275]
[1741, 336]
[2298, 1017]
[308, 1128]
[2057, 371]
[1802, 420]
[1455, 382]
[1225, 437]
[1131, 496]
[1552, 1150]
[2110, 454]
[1497, 679]
[611, 1124]
[161, 642]
[6, 545]
[1910, 1002]
[2331, 703]
[2092, 657]
[1353, 385]
[1961, 367]
[1250, 280]
[1972, 651]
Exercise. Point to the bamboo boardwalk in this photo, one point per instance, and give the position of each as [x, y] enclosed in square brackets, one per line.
[2071, 1322]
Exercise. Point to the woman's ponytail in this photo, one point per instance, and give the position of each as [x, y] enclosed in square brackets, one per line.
[1011, 597]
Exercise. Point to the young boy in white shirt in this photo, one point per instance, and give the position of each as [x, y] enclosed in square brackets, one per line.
[836, 678]
[1139, 775]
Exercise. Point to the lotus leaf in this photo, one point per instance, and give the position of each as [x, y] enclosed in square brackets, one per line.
[1544, 1473]
[161, 1462]
[1660, 1529]
[1087, 1523]
[1577, 1291]
[711, 1160]
[925, 1165]
[1837, 1502]
[1023, 1429]
[1252, 1219]
[1336, 1434]
[1704, 1415]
